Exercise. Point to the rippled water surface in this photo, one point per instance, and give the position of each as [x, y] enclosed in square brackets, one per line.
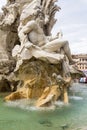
[21, 115]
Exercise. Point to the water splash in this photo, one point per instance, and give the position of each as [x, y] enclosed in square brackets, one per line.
[59, 103]
[28, 104]
[75, 98]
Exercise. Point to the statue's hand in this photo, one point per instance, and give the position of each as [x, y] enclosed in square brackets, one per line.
[28, 45]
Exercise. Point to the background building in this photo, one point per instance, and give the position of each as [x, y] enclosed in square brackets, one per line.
[82, 62]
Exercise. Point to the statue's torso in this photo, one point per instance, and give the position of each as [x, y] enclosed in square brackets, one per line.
[37, 38]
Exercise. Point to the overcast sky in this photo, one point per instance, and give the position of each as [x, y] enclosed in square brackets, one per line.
[72, 21]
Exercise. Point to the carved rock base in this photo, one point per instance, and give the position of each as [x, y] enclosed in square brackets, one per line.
[38, 82]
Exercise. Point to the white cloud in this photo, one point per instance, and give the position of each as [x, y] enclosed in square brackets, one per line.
[79, 47]
[2, 2]
[77, 36]
[72, 20]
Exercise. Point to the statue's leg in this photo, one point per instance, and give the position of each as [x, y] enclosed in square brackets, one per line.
[53, 45]
[68, 52]
[58, 44]
[44, 55]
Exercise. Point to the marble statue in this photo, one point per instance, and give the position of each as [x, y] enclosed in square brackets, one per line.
[41, 67]
[34, 41]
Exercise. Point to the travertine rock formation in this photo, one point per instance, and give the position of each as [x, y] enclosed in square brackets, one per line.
[34, 62]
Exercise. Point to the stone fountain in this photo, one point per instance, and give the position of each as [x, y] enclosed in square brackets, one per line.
[35, 64]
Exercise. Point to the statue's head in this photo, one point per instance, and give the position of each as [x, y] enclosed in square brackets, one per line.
[40, 18]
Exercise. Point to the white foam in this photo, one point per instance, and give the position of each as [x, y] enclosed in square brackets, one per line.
[75, 98]
[28, 105]
[59, 103]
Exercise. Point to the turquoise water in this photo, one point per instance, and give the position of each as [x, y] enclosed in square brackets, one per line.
[21, 115]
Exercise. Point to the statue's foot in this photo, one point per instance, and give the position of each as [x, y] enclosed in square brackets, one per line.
[72, 62]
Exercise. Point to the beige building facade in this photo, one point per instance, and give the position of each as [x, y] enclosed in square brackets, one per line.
[82, 61]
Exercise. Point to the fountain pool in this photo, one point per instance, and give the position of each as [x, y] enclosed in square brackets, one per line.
[21, 115]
